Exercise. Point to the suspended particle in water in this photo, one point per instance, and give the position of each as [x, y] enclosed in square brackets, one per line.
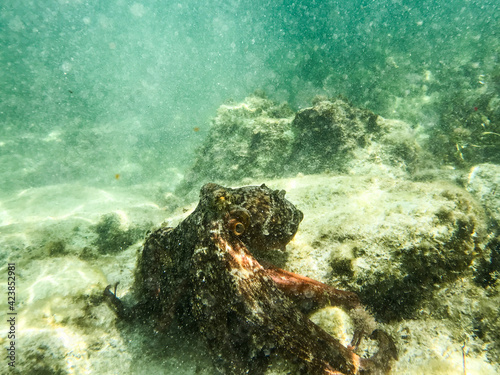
[66, 67]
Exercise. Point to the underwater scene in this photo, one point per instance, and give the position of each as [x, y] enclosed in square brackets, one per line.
[250, 187]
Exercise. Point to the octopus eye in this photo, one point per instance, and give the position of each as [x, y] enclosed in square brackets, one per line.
[238, 221]
[238, 228]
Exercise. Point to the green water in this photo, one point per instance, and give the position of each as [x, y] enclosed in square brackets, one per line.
[89, 89]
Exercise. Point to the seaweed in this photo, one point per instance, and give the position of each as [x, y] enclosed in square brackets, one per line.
[111, 238]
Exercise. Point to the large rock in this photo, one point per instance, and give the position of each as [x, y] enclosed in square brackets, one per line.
[261, 139]
[392, 241]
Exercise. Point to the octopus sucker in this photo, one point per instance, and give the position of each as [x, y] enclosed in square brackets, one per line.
[204, 271]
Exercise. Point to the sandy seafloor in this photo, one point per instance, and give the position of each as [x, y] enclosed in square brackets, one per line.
[64, 328]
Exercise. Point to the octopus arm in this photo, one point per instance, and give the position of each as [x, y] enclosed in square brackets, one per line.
[269, 319]
[310, 293]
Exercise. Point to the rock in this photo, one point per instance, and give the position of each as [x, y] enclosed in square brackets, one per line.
[335, 136]
[326, 135]
[248, 139]
[468, 130]
[336, 322]
[392, 241]
[111, 237]
[261, 139]
[484, 183]
[61, 324]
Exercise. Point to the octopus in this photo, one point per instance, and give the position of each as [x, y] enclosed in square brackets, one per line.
[247, 310]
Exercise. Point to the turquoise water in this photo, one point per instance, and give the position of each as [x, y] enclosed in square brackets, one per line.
[89, 90]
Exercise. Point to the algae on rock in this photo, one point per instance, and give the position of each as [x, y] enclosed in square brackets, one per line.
[111, 237]
[335, 136]
[326, 134]
[468, 131]
[484, 183]
[261, 139]
[248, 139]
[394, 242]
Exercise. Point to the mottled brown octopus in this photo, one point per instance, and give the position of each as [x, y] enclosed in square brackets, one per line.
[204, 271]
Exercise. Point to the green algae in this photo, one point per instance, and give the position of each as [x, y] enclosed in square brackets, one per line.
[111, 237]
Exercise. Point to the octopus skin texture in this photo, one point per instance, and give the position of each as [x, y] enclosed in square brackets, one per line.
[203, 271]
